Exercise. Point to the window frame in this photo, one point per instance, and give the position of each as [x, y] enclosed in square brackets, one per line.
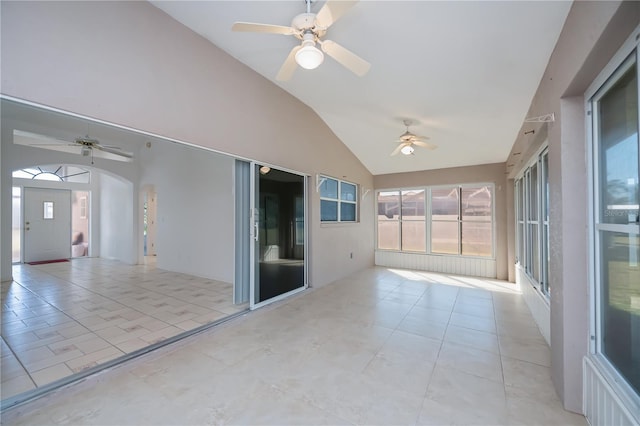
[82, 203]
[339, 200]
[628, 54]
[388, 220]
[402, 220]
[428, 219]
[528, 227]
[457, 221]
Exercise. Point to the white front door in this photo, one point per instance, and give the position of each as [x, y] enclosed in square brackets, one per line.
[47, 224]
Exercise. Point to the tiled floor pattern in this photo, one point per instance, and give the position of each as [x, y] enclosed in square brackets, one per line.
[61, 318]
[380, 347]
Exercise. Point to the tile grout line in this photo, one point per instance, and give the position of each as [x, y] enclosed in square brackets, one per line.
[504, 384]
[100, 276]
[78, 321]
[20, 362]
[435, 363]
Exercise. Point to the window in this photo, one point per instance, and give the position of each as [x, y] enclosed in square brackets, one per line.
[389, 220]
[54, 173]
[412, 221]
[532, 221]
[459, 219]
[401, 220]
[338, 200]
[519, 199]
[462, 220]
[47, 210]
[83, 207]
[476, 208]
[445, 215]
[544, 220]
[616, 228]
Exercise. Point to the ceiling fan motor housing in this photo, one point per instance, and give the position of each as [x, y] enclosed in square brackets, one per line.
[304, 22]
[407, 136]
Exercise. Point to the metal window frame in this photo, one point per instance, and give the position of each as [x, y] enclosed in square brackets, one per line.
[321, 180]
[541, 222]
[402, 220]
[623, 58]
[429, 220]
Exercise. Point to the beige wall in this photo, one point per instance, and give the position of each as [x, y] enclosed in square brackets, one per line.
[131, 64]
[592, 33]
[487, 173]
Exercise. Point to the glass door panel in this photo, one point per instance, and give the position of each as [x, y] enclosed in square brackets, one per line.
[279, 224]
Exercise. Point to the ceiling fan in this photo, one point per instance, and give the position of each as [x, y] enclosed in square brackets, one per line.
[408, 140]
[310, 28]
[85, 146]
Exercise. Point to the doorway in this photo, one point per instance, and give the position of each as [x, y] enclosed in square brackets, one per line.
[16, 224]
[80, 212]
[279, 234]
[47, 224]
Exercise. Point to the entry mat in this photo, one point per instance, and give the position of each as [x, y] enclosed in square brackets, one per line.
[43, 262]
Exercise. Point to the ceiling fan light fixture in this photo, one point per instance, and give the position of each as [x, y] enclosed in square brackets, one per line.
[264, 170]
[309, 56]
[85, 151]
[407, 150]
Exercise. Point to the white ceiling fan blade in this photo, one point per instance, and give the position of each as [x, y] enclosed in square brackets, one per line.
[289, 66]
[21, 137]
[425, 144]
[250, 27]
[398, 148]
[68, 148]
[107, 155]
[115, 151]
[332, 11]
[48, 145]
[346, 58]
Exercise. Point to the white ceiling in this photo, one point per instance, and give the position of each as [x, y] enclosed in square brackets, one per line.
[466, 72]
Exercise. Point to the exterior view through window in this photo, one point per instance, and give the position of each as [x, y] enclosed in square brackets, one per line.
[616, 231]
[455, 220]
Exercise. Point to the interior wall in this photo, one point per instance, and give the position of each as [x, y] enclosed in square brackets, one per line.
[16, 157]
[117, 220]
[195, 209]
[487, 173]
[142, 69]
[592, 34]
[196, 185]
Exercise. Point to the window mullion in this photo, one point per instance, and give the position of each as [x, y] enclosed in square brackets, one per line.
[339, 201]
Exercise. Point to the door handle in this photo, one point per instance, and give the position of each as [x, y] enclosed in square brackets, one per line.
[255, 231]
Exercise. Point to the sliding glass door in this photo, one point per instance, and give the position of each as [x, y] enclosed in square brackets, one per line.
[279, 237]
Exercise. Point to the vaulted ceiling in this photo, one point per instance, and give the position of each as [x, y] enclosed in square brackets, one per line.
[463, 72]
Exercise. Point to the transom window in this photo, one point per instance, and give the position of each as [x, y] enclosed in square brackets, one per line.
[54, 174]
[338, 200]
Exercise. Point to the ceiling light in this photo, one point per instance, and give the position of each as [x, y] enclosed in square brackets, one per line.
[265, 169]
[407, 150]
[85, 151]
[309, 56]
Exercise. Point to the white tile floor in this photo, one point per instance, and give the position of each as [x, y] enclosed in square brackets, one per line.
[381, 347]
[59, 319]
